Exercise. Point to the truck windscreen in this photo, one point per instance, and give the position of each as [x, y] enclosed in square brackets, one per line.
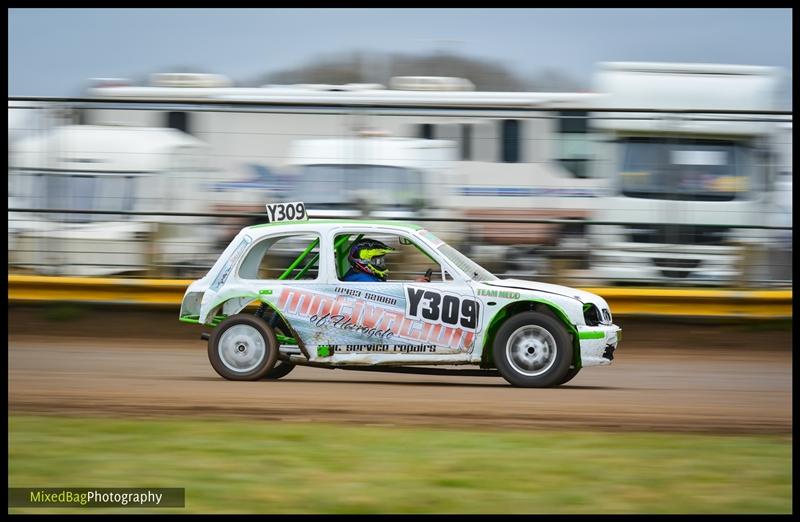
[685, 169]
[86, 191]
[341, 185]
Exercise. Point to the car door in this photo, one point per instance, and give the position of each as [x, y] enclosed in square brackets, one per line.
[283, 270]
[399, 315]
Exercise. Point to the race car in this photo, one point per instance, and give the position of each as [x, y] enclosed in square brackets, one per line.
[277, 298]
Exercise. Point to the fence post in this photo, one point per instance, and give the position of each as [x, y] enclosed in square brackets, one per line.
[151, 249]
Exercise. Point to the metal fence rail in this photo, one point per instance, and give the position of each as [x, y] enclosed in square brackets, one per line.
[761, 304]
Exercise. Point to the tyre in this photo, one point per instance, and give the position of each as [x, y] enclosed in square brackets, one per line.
[573, 371]
[281, 369]
[533, 350]
[242, 348]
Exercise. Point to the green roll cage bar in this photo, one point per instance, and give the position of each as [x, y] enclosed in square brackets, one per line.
[340, 247]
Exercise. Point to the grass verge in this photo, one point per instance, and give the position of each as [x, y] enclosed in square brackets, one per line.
[264, 467]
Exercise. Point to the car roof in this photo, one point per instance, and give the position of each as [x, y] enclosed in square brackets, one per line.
[323, 224]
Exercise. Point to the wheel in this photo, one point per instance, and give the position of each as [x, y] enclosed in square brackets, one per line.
[573, 371]
[242, 348]
[533, 350]
[281, 369]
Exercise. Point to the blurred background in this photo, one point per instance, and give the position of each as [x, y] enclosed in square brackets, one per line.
[627, 172]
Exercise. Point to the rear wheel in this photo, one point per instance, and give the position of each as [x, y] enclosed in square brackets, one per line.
[533, 350]
[242, 348]
[282, 367]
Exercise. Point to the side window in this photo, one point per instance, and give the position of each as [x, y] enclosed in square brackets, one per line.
[426, 131]
[179, 120]
[574, 142]
[511, 139]
[287, 257]
[406, 263]
[466, 142]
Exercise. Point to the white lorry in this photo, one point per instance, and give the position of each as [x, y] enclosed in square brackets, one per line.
[374, 176]
[108, 169]
[689, 189]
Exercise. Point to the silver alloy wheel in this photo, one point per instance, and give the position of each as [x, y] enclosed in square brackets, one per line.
[531, 350]
[241, 348]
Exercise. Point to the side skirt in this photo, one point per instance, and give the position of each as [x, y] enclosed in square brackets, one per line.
[419, 370]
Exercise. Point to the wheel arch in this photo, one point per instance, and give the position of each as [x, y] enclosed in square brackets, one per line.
[235, 304]
[527, 305]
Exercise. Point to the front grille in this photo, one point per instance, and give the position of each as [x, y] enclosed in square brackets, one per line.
[662, 262]
[677, 234]
[681, 268]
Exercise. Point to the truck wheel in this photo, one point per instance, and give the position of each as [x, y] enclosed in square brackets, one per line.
[242, 348]
[533, 350]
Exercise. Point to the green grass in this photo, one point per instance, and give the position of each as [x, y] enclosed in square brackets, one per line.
[240, 466]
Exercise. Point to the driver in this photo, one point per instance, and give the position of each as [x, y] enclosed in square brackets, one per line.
[367, 262]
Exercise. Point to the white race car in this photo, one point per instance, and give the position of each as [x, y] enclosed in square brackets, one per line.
[533, 334]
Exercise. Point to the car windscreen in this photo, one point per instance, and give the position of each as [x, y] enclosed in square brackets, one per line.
[472, 269]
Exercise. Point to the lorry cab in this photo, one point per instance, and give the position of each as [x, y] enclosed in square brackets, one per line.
[689, 188]
[110, 172]
[376, 176]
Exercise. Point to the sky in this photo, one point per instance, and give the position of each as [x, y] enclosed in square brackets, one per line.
[53, 52]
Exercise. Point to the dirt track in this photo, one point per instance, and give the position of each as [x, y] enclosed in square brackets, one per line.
[724, 381]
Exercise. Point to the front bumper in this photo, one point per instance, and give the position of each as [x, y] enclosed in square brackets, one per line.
[691, 264]
[598, 344]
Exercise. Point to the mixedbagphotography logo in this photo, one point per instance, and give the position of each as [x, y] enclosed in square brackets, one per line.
[96, 497]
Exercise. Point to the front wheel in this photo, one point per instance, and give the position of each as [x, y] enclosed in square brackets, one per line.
[533, 350]
[243, 348]
[573, 371]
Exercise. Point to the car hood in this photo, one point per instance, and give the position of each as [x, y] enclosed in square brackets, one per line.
[566, 291]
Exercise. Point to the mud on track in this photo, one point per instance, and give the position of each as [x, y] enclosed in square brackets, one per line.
[666, 377]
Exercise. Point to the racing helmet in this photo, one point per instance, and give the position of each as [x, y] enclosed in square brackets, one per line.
[366, 255]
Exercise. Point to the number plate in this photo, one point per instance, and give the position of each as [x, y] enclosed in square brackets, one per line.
[286, 212]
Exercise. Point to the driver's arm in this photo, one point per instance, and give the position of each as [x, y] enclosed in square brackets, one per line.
[427, 277]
